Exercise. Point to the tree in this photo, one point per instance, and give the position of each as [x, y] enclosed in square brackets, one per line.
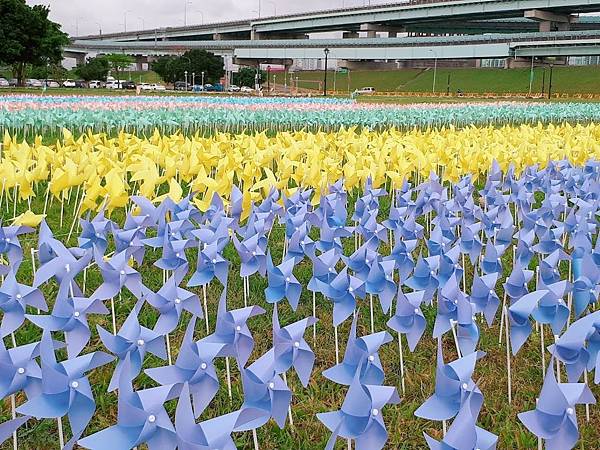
[28, 37]
[94, 69]
[52, 72]
[172, 69]
[246, 76]
[119, 62]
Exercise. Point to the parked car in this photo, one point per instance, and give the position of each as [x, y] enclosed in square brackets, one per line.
[114, 84]
[365, 91]
[81, 84]
[13, 82]
[145, 86]
[4, 82]
[197, 88]
[127, 85]
[246, 90]
[51, 83]
[32, 82]
[158, 87]
[95, 84]
[69, 83]
[234, 88]
[181, 85]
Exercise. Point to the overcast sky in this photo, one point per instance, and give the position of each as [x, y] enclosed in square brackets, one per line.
[88, 16]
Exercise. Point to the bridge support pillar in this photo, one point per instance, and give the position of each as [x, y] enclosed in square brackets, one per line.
[372, 29]
[350, 35]
[140, 61]
[550, 21]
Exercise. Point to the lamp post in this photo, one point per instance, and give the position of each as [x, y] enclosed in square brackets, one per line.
[203, 80]
[326, 51]
[434, 68]
[185, 5]
[531, 76]
[186, 83]
[193, 79]
[268, 78]
[125, 19]
[550, 81]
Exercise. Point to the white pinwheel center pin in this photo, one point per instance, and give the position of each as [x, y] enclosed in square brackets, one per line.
[178, 301]
[203, 366]
[140, 342]
[21, 370]
[569, 411]
[297, 344]
[238, 328]
[74, 384]
[76, 313]
[151, 418]
[375, 411]
[122, 272]
[371, 358]
[271, 385]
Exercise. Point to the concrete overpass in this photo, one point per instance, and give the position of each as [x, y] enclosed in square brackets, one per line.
[408, 16]
[248, 52]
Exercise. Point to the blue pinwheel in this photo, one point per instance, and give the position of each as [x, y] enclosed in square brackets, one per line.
[323, 270]
[491, 262]
[464, 434]
[11, 426]
[360, 417]
[290, 349]
[380, 282]
[484, 297]
[551, 308]
[94, 233]
[554, 418]
[453, 385]
[282, 283]
[409, 319]
[519, 312]
[252, 253]
[142, 419]
[65, 388]
[362, 357]
[131, 343]
[170, 301]
[232, 330]
[587, 279]
[14, 299]
[70, 316]
[11, 247]
[401, 254]
[173, 252]
[194, 366]
[211, 263]
[516, 284]
[117, 274]
[342, 291]
[210, 434]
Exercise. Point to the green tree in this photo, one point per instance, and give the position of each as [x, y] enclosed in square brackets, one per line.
[172, 69]
[51, 71]
[246, 76]
[28, 37]
[119, 62]
[94, 69]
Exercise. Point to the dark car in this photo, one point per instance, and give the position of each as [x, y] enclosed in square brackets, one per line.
[127, 85]
[81, 84]
[181, 85]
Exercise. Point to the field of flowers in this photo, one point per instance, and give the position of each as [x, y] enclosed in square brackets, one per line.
[219, 273]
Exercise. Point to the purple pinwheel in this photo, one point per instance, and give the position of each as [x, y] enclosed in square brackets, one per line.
[211, 263]
[342, 291]
[424, 276]
[252, 253]
[70, 316]
[451, 298]
[64, 266]
[516, 284]
[142, 419]
[483, 296]
[401, 254]
[551, 308]
[14, 298]
[299, 244]
[173, 253]
[266, 395]
[11, 426]
[232, 330]
[11, 247]
[210, 434]
[362, 357]
[554, 418]
[94, 233]
[65, 388]
[171, 301]
[290, 349]
[409, 319]
[282, 283]
[380, 282]
[195, 367]
[117, 274]
[131, 343]
[464, 434]
[549, 273]
[360, 417]
[491, 259]
[519, 312]
[586, 285]
[323, 267]
[453, 385]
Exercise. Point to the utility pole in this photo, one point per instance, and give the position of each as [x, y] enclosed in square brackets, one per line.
[326, 51]
[550, 81]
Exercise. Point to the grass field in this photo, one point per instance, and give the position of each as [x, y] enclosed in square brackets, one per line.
[321, 395]
[584, 79]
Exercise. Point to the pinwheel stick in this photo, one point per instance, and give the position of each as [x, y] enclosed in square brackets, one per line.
[255, 439]
[502, 316]
[16, 192]
[455, 336]
[314, 307]
[2, 193]
[585, 380]
[402, 384]
[169, 358]
[543, 348]
[558, 362]
[349, 444]
[33, 269]
[205, 308]
[13, 400]
[371, 311]
[61, 437]
[508, 356]
[289, 406]
[337, 345]
[228, 370]
[114, 317]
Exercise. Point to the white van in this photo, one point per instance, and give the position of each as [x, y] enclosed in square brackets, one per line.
[365, 91]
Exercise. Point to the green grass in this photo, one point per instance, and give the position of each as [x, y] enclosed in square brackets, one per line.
[570, 80]
[321, 395]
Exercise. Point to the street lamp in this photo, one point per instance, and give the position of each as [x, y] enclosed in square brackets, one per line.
[203, 80]
[186, 83]
[434, 68]
[550, 81]
[326, 51]
[268, 78]
[125, 19]
[185, 5]
[193, 79]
